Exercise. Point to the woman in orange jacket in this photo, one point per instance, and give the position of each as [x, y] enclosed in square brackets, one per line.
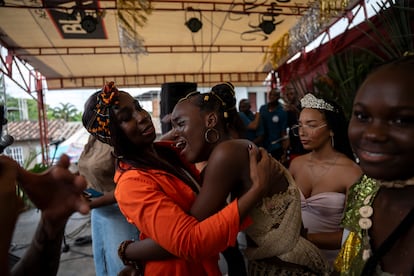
[156, 188]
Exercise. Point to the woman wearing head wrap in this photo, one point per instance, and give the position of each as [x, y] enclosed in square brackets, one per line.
[156, 188]
[203, 125]
[325, 174]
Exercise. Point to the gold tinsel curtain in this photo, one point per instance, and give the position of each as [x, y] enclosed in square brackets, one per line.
[132, 15]
[318, 16]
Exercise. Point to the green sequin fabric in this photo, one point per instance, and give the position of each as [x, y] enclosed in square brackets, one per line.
[360, 194]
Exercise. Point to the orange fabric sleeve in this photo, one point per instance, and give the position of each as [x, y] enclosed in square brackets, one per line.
[158, 204]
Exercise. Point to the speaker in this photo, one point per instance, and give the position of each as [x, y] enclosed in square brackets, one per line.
[171, 92]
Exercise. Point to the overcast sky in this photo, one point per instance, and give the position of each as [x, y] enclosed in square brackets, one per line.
[54, 98]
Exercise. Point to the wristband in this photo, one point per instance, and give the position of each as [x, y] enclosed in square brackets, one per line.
[121, 253]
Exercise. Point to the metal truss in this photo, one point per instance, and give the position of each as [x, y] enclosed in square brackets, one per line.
[150, 49]
[202, 79]
[240, 7]
[30, 81]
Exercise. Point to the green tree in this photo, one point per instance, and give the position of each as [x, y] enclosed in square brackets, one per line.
[18, 107]
[65, 111]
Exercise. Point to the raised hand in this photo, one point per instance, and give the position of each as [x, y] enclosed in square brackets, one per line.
[57, 192]
[10, 205]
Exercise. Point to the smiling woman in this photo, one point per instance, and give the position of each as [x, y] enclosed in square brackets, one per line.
[156, 196]
[380, 207]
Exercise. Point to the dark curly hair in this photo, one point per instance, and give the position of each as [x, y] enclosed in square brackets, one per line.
[338, 123]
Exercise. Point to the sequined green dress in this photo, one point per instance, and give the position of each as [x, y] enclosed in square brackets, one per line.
[356, 249]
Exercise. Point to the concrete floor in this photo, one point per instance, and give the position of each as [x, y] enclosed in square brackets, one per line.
[77, 261]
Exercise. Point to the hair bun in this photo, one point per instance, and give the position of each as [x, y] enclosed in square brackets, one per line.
[225, 91]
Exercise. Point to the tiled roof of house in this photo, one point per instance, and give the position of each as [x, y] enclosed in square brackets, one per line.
[29, 130]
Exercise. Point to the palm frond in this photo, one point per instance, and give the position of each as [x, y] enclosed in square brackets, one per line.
[394, 16]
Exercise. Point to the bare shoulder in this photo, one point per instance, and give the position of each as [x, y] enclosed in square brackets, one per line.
[297, 163]
[348, 171]
[234, 150]
[229, 163]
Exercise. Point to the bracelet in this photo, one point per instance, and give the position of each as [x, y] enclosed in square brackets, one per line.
[121, 253]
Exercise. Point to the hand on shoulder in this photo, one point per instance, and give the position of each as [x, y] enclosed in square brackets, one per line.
[266, 172]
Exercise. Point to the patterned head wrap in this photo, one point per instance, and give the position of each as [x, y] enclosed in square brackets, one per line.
[98, 125]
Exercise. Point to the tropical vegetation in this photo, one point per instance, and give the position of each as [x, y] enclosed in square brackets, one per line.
[27, 109]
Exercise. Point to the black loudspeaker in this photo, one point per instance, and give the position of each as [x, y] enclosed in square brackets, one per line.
[171, 92]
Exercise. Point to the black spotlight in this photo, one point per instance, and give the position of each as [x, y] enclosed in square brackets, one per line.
[267, 26]
[89, 23]
[194, 24]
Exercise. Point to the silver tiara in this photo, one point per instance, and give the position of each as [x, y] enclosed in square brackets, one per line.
[310, 101]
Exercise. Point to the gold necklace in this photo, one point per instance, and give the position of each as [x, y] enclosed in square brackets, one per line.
[396, 183]
[316, 176]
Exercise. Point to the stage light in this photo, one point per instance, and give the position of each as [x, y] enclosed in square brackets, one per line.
[267, 26]
[194, 24]
[267, 23]
[89, 23]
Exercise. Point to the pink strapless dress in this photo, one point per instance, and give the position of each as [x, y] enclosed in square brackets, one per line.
[323, 213]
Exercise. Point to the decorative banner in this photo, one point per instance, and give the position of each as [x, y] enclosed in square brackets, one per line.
[132, 15]
[79, 19]
[317, 18]
[279, 50]
[306, 30]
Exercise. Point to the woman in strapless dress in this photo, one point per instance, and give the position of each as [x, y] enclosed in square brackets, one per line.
[325, 174]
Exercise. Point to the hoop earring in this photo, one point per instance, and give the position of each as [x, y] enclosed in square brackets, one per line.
[332, 141]
[209, 132]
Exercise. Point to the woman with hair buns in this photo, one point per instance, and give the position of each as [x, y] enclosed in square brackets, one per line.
[156, 196]
[203, 127]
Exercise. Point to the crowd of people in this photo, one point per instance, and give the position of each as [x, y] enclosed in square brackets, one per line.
[340, 205]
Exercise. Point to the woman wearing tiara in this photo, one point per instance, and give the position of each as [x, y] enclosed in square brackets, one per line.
[325, 174]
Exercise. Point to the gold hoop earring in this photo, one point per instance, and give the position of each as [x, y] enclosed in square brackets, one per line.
[209, 132]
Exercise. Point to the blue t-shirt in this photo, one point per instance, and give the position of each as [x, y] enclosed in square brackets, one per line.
[247, 119]
[274, 123]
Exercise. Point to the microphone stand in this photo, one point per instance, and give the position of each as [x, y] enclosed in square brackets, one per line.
[54, 153]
